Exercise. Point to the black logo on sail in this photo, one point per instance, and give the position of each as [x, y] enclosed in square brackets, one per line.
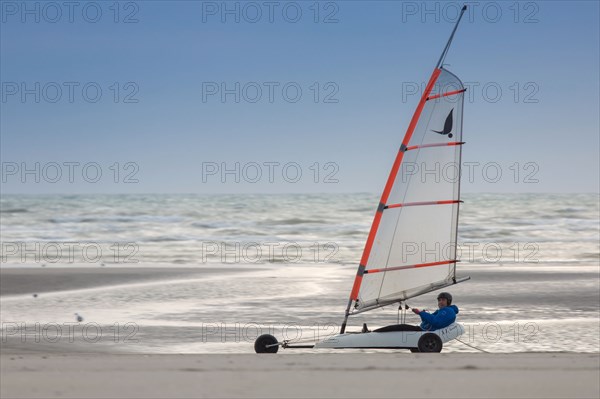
[447, 126]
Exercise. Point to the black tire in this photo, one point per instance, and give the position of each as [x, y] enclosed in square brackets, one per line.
[430, 343]
[415, 350]
[260, 345]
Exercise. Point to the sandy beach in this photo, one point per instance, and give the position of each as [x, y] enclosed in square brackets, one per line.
[344, 375]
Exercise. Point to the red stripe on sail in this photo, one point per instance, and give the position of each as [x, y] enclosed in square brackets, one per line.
[387, 269]
[423, 203]
[450, 93]
[390, 181]
[452, 143]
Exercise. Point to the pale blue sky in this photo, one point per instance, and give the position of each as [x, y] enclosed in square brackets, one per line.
[543, 56]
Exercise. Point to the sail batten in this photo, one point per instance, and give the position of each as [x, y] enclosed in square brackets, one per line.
[449, 93]
[452, 143]
[387, 269]
[444, 202]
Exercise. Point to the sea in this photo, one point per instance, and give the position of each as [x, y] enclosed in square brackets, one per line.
[284, 264]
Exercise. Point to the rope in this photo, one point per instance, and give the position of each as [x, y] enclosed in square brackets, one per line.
[474, 347]
[403, 307]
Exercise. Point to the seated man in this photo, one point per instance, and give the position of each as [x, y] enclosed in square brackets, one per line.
[441, 318]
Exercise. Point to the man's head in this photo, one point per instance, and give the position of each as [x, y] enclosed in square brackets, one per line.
[444, 299]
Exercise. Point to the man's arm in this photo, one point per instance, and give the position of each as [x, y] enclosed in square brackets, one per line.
[438, 319]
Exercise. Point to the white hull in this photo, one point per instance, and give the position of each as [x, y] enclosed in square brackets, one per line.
[391, 339]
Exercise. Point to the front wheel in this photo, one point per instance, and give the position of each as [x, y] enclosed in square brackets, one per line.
[430, 342]
[264, 342]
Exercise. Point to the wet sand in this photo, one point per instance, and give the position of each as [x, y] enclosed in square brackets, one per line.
[35, 280]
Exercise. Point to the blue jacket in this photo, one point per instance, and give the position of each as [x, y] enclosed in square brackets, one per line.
[439, 319]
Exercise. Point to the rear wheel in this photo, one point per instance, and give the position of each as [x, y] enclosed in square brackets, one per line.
[430, 343]
[261, 345]
[414, 350]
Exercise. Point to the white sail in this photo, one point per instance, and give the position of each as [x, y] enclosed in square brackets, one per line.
[414, 247]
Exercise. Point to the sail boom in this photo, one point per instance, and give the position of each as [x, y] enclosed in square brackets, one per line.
[432, 287]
